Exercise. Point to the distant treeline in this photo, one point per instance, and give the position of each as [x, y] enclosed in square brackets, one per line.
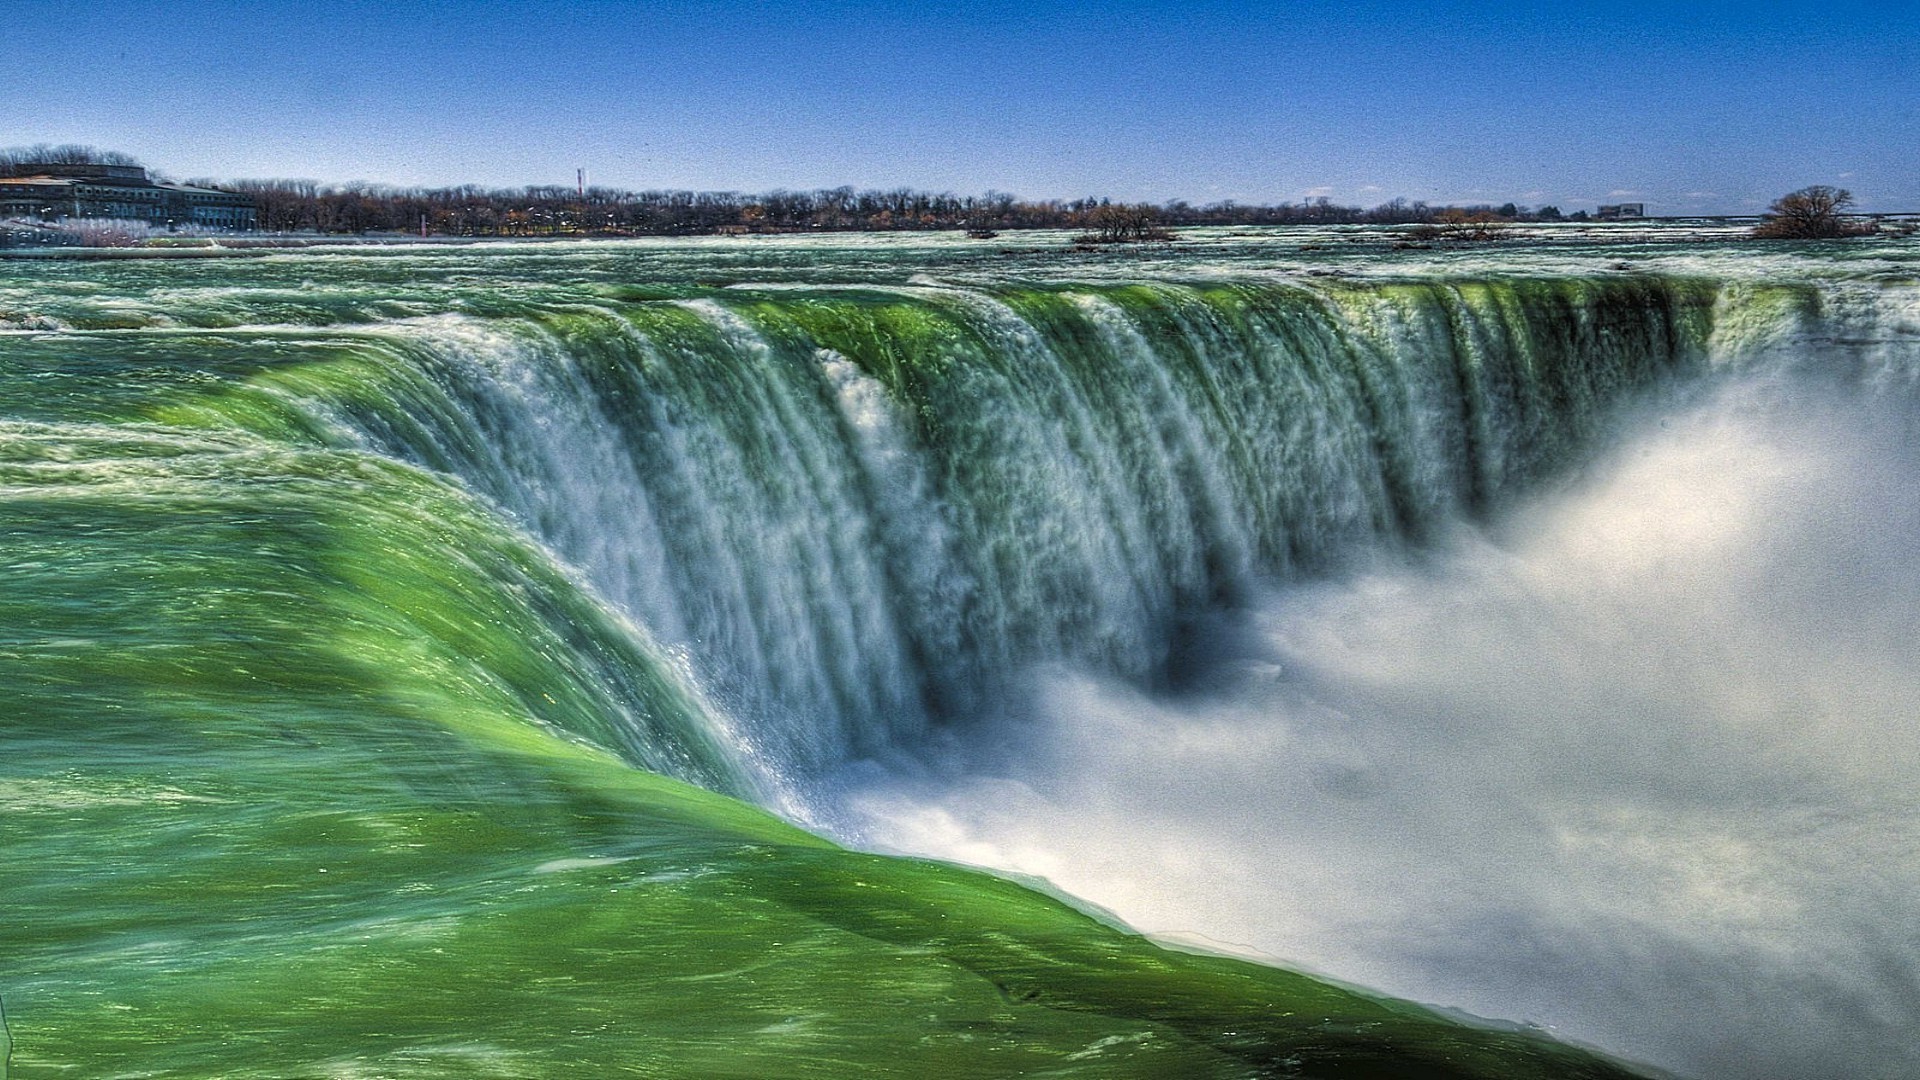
[302, 206]
[311, 206]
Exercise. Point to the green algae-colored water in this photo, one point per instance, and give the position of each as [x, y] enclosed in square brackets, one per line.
[407, 659]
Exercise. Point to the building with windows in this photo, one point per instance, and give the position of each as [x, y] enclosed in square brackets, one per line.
[49, 191]
[1629, 211]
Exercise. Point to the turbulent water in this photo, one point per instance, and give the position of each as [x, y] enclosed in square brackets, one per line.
[1526, 631]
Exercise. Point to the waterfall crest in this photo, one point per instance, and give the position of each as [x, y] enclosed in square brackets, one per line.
[855, 513]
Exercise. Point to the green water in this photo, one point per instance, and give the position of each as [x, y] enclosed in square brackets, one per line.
[301, 779]
[337, 739]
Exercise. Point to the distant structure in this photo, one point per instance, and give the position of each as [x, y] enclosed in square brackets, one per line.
[51, 190]
[1626, 211]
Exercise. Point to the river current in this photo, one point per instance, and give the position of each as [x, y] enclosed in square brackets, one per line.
[1523, 629]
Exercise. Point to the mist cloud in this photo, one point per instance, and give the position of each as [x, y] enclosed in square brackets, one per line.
[1639, 765]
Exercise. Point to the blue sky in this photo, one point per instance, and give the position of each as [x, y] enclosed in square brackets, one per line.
[1699, 106]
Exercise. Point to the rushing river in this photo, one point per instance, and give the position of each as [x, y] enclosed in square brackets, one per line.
[407, 657]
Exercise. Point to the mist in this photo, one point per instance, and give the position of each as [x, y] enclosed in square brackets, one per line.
[1637, 763]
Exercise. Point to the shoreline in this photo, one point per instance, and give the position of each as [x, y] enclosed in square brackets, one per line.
[1024, 241]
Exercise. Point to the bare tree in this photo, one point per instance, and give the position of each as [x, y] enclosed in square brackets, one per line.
[1812, 213]
[1123, 223]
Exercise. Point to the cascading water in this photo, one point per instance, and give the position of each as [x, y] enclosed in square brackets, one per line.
[1238, 602]
[1633, 758]
[859, 514]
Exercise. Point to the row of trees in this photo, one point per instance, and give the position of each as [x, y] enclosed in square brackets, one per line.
[304, 205]
[309, 206]
[69, 154]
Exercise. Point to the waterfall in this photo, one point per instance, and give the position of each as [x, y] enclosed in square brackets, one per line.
[393, 640]
[856, 513]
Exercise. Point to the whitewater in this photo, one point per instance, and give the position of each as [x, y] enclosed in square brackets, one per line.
[1524, 630]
